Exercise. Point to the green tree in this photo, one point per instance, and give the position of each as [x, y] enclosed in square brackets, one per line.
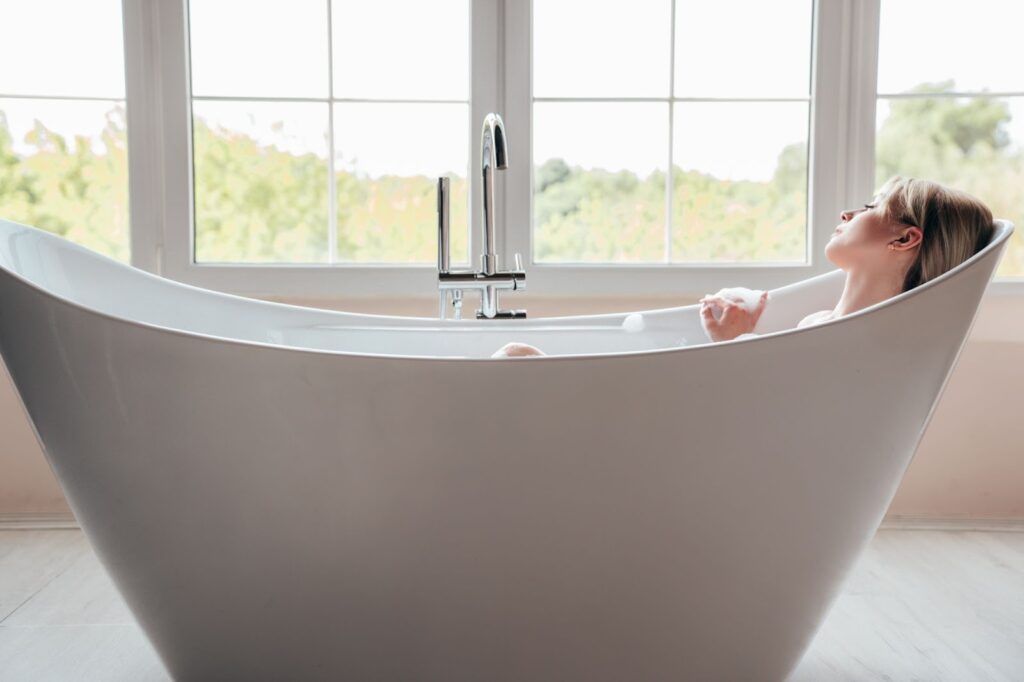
[964, 143]
[257, 203]
[70, 187]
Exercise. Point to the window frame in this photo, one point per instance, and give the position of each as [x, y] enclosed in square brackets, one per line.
[840, 165]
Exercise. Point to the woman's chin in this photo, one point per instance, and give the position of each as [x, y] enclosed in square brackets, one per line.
[834, 254]
[829, 252]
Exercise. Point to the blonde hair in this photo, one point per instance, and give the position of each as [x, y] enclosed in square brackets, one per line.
[955, 224]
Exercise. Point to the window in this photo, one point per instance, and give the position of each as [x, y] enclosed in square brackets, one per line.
[63, 142]
[654, 140]
[951, 104]
[326, 148]
[292, 148]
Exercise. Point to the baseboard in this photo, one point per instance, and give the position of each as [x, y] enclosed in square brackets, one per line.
[38, 521]
[914, 522]
[64, 520]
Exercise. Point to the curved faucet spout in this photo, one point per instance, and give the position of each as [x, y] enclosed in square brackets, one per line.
[494, 131]
[489, 280]
[494, 153]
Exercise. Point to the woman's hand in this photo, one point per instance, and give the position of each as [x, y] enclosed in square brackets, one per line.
[736, 318]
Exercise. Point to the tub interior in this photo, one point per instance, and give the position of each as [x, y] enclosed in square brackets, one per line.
[94, 281]
[91, 280]
[479, 341]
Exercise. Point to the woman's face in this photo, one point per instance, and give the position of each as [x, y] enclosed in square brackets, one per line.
[862, 239]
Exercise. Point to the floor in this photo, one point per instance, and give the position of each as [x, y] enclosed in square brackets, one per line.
[920, 605]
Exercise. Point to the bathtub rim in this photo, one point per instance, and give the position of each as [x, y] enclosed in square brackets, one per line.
[1003, 231]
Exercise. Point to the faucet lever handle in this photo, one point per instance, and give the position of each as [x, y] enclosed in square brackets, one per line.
[518, 258]
[443, 250]
[457, 303]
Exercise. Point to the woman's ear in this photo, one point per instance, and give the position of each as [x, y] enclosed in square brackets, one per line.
[911, 236]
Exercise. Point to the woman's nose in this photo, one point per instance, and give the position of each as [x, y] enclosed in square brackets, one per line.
[845, 216]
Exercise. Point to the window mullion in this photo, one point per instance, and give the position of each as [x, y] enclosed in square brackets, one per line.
[332, 183]
[169, 111]
[837, 133]
[484, 97]
[671, 134]
[144, 144]
[518, 103]
[863, 100]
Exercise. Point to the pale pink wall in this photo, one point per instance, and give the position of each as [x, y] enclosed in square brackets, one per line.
[970, 462]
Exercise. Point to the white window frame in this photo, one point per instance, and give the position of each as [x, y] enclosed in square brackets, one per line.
[840, 171]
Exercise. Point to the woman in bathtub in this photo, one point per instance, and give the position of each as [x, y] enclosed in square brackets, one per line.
[911, 232]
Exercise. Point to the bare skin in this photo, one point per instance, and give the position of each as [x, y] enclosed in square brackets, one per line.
[874, 251]
[735, 319]
[517, 350]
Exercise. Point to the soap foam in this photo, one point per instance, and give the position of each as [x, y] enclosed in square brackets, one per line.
[633, 323]
[747, 298]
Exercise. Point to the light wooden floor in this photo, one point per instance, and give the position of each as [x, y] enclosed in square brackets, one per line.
[921, 605]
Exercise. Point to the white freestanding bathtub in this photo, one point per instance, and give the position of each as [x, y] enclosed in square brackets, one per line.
[283, 493]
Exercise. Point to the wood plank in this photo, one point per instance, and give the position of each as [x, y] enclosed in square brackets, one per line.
[926, 605]
[919, 605]
[30, 559]
[113, 653]
[81, 595]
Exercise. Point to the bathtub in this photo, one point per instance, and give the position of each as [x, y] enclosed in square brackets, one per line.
[287, 493]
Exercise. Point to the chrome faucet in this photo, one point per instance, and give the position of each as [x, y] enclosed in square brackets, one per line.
[488, 280]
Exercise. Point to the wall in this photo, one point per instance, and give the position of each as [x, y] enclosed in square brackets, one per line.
[970, 462]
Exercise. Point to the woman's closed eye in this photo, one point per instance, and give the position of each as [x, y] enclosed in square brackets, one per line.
[849, 213]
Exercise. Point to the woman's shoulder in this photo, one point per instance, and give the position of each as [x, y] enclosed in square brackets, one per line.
[814, 318]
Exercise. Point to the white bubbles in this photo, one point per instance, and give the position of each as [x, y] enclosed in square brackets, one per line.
[748, 298]
[633, 323]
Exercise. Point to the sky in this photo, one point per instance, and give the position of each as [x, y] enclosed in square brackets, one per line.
[742, 48]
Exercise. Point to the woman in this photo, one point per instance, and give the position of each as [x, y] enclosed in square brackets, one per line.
[911, 232]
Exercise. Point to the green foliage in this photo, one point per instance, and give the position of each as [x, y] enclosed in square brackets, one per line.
[68, 188]
[599, 216]
[740, 221]
[963, 143]
[394, 219]
[258, 203]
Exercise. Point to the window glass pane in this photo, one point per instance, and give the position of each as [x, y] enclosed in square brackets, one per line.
[743, 48]
[273, 48]
[740, 182]
[599, 181]
[401, 49]
[64, 169]
[975, 144]
[387, 161]
[583, 48]
[261, 188]
[966, 47]
[65, 48]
